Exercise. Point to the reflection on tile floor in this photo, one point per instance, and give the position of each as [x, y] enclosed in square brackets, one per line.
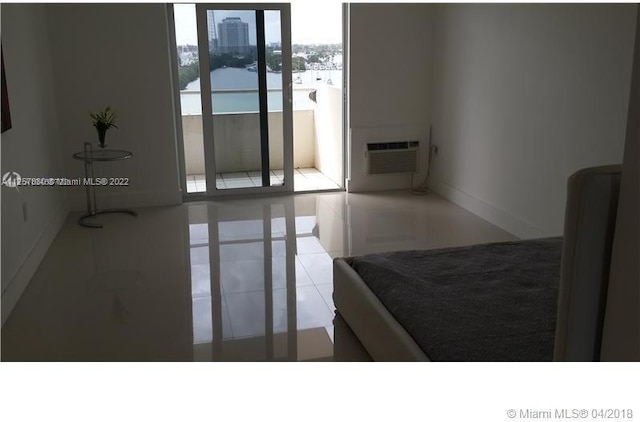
[305, 179]
[232, 280]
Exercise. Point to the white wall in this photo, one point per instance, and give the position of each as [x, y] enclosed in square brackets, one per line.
[524, 95]
[389, 92]
[303, 138]
[621, 335]
[117, 55]
[32, 147]
[328, 133]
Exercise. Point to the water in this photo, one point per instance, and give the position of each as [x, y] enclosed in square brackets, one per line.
[240, 79]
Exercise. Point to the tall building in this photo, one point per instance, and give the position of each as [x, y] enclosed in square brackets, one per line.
[233, 36]
[211, 26]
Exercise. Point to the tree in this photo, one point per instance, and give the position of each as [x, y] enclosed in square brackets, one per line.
[297, 63]
[187, 74]
[216, 61]
[274, 61]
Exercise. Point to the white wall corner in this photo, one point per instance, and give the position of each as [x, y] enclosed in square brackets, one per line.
[516, 226]
[24, 274]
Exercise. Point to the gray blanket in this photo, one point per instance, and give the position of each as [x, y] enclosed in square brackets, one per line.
[492, 302]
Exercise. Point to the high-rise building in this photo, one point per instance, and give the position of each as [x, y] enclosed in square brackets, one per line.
[233, 36]
[211, 27]
[211, 30]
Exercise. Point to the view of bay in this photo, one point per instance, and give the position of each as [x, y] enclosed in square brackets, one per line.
[238, 79]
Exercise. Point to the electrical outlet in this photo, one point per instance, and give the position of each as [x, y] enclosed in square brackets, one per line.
[25, 214]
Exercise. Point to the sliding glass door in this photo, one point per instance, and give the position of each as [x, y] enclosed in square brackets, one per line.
[246, 100]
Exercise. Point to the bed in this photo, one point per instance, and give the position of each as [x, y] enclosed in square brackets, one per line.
[529, 300]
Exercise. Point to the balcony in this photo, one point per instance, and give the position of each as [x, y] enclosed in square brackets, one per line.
[317, 140]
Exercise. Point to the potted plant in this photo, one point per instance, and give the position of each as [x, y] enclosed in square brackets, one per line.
[103, 121]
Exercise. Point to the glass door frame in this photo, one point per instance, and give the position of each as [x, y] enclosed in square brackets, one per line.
[207, 103]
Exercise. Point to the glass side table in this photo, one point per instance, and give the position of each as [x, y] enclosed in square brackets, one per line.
[89, 156]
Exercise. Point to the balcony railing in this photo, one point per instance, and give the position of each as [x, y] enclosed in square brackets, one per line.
[243, 100]
[317, 131]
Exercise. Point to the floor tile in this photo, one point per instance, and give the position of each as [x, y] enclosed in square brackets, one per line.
[238, 183]
[200, 280]
[197, 213]
[308, 171]
[188, 282]
[314, 344]
[240, 230]
[248, 312]
[319, 267]
[279, 248]
[201, 185]
[309, 245]
[311, 310]
[326, 291]
[191, 187]
[280, 275]
[198, 233]
[306, 224]
[235, 176]
[246, 251]
[202, 320]
[257, 181]
[199, 255]
[205, 323]
[305, 179]
[242, 276]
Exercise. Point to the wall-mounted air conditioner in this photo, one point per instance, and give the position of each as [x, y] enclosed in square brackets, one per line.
[392, 157]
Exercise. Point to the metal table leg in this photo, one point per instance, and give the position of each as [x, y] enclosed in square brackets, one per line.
[92, 207]
[84, 223]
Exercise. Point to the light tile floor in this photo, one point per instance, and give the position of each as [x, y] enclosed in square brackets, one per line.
[305, 179]
[232, 280]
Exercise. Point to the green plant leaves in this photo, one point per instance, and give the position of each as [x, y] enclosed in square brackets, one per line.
[103, 120]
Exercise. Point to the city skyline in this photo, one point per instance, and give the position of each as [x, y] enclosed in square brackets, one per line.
[310, 24]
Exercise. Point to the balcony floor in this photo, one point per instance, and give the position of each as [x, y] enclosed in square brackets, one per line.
[304, 179]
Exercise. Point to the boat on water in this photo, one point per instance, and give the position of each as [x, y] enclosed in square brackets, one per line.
[254, 68]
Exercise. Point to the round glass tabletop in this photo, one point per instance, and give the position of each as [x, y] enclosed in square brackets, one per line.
[103, 155]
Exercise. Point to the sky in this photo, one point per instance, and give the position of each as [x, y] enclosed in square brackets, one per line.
[311, 23]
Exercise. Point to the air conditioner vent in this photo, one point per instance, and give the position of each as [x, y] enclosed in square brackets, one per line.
[392, 157]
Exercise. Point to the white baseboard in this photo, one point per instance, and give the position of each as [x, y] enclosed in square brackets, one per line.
[23, 276]
[379, 182]
[137, 199]
[499, 217]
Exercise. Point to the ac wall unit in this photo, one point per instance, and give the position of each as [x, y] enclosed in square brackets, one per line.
[392, 157]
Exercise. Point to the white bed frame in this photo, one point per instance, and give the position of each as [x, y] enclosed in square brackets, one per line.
[365, 330]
